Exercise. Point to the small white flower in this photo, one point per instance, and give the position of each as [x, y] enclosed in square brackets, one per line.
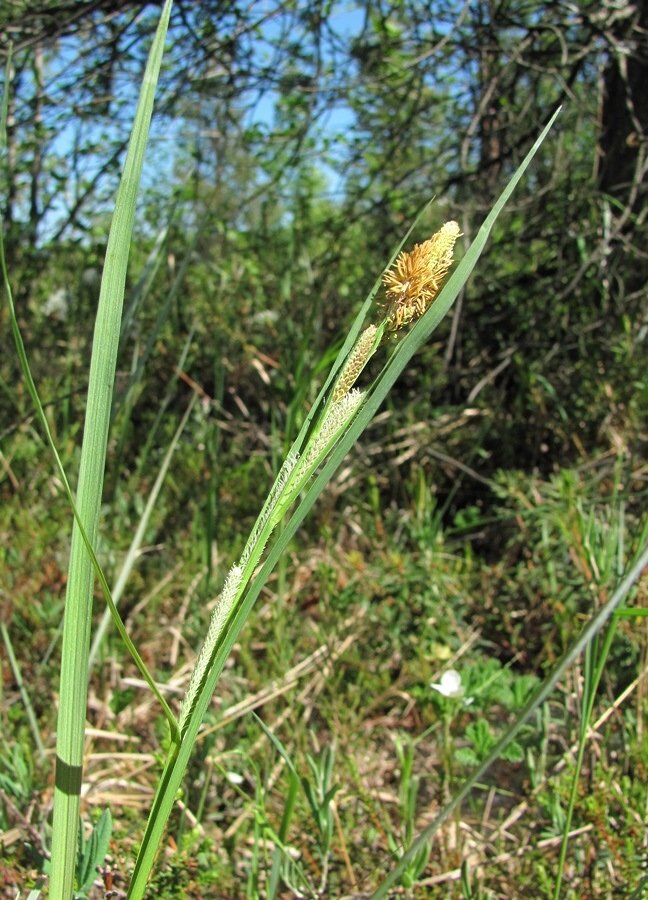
[234, 778]
[450, 684]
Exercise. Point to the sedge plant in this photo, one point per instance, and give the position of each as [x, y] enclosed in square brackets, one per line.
[413, 296]
[339, 415]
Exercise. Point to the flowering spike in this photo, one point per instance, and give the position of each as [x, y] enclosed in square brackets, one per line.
[223, 607]
[415, 279]
[355, 363]
[338, 416]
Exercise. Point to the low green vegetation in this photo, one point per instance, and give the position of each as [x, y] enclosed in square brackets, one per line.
[359, 621]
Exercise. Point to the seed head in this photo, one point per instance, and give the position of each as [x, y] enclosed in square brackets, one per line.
[338, 416]
[355, 363]
[415, 279]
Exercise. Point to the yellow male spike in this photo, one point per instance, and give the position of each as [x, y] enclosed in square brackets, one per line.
[415, 279]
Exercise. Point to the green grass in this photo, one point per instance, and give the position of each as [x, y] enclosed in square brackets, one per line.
[372, 615]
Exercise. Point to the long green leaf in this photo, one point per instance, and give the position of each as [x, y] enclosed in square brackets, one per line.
[42, 418]
[78, 608]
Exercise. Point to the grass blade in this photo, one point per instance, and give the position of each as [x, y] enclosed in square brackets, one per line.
[76, 633]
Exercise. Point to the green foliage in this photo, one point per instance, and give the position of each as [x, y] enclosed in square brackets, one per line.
[16, 780]
[91, 853]
[409, 791]
[506, 472]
